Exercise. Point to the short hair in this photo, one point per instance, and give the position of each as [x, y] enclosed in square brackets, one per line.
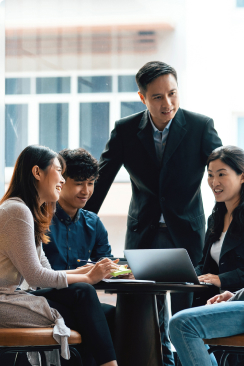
[80, 164]
[150, 71]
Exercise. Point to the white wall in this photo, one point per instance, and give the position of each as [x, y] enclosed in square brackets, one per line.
[202, 39]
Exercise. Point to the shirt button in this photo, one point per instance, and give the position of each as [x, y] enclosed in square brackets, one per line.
[69, 229]
[89, 251]
[69, 248]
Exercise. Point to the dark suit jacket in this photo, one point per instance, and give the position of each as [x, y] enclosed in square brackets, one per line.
[231, 261]
[172, 188]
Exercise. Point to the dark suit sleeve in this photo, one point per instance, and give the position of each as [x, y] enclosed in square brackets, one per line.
[232, 279]
[110, 163]
[199, 267]
[210, 140]
[239, 296]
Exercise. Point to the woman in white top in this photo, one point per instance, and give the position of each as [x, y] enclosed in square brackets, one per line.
[222, 263]
[25, 214]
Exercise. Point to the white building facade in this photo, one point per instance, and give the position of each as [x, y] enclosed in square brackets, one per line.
[70, 67]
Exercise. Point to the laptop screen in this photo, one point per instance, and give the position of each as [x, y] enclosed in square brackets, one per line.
[161, 265]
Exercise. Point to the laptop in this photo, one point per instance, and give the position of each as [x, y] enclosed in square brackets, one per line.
[162, 265]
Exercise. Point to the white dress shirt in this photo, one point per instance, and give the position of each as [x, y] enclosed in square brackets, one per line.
[216, 248]
[160, 139]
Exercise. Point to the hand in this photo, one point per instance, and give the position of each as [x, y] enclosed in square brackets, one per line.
[220, 298]
[210, 278]
[101, 270]
[88, 265]
[83, 269]
[115, 261]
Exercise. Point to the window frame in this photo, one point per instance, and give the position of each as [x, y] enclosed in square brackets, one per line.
[73, 99]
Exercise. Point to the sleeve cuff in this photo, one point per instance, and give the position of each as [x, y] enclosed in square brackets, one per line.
[62, 280]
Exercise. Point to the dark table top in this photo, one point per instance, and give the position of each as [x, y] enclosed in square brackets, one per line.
[147, 287]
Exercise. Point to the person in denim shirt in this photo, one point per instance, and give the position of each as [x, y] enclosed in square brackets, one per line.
[76, 233]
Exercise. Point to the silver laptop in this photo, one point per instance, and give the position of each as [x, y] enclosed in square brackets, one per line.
[162, 265]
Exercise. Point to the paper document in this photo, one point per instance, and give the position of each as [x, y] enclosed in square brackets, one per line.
[110, 280]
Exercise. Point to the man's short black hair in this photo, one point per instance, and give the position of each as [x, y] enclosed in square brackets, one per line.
[150, 71]
[80, 164]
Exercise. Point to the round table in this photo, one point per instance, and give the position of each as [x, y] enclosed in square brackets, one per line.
[137, 337]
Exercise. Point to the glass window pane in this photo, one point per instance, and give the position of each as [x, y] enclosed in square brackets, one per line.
[16, 120]
[127, 83]
[240, 3]
[53, 125]
[52, 85]
[94, 127]
[17, 86]
[128, 108]
[240, 132]
[95, 84]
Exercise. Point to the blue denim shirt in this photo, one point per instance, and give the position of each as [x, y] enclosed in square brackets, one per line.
[84, 237]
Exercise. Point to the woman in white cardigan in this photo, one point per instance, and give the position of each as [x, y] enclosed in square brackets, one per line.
[25, 214]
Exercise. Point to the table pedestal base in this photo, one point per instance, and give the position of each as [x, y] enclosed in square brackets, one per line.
[136, 316]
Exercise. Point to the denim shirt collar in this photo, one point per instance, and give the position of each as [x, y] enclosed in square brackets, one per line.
[64, 217]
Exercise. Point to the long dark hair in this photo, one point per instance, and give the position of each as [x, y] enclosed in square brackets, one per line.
[233, 157]
[23, 185]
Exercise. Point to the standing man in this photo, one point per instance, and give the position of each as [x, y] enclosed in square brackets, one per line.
[164, 149]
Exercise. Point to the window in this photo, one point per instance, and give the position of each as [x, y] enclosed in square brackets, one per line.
[16, 121]
[240, 3]
[17, 86]
[127, 83]
[53, 125]
[240, 129]
[95, 84]
[53, 85]
[94, 127]
[128, 108]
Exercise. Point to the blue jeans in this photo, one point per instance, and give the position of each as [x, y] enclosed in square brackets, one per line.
[188, 328]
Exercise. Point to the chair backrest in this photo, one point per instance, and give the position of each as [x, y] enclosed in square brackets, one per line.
[233, 341]
[15, 340]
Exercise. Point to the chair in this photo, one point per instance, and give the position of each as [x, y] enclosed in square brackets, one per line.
[15, 340]
[228, 345]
